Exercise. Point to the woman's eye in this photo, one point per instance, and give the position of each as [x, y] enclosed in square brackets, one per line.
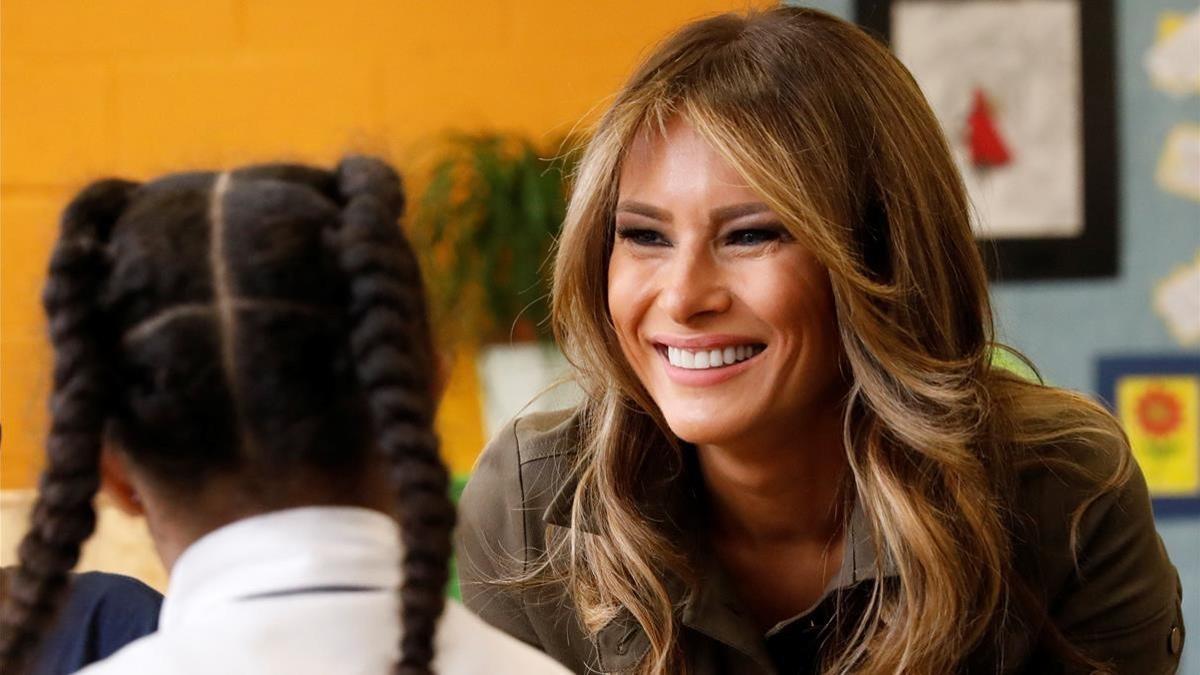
[641, 236]
[753, 237]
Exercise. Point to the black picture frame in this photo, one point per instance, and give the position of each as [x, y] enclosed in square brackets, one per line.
[1094, 252]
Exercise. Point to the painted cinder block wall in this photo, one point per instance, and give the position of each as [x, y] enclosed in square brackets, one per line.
[141, 87]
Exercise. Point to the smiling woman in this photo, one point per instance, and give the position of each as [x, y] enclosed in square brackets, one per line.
[701, 267]
[795, 455]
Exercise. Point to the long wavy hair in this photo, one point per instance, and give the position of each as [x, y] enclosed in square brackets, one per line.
[834, 134]
[266, 324]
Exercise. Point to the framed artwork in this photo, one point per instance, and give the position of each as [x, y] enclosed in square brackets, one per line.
[1024, 90]
[1157, 399]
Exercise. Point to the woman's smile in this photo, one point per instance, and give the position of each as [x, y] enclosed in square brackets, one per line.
[706, 360]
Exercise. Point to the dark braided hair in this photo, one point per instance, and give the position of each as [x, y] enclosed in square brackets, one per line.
[266, 325]
[390, 340]
[63, 516]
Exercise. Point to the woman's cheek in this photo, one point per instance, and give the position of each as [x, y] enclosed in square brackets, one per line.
[622, 298]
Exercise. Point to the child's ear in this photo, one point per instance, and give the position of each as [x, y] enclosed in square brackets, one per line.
[115, 481]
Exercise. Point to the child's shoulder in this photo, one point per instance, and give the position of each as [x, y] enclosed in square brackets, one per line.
[468, 644]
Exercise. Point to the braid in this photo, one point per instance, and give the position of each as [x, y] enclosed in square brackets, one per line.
[63, 516]
[392, 350]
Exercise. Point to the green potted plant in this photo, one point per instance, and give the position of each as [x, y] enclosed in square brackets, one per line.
[484, 224]
[485, 221]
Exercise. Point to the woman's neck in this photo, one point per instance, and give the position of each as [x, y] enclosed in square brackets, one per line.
[786, 488]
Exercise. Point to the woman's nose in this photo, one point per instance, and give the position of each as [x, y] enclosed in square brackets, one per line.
[693, 287]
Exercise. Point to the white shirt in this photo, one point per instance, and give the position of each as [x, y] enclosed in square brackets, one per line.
[307, 590]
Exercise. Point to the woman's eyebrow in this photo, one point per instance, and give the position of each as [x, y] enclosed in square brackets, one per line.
[642, 209]
[725, 214]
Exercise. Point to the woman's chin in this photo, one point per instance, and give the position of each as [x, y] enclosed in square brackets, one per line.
[705, 430]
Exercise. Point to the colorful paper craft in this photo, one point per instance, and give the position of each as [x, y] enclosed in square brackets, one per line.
[1157, 399]
[1173, 63]
[1179, 168]
[1159, 413]
[1177, 301]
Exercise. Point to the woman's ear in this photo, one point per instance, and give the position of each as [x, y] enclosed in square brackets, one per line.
[115, 480]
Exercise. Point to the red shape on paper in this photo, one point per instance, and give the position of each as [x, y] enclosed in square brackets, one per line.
[1159, 412]
[988, 149]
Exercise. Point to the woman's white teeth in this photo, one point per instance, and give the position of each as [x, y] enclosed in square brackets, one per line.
[701, 359]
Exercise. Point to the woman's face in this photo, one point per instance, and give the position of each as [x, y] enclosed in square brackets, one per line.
[727, 320]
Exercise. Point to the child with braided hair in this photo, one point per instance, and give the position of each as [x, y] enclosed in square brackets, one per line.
[244, 358]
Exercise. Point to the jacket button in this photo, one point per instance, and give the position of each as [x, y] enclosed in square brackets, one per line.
[1175, 641]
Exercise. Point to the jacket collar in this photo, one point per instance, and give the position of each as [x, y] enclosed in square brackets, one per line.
[858, 559]
[713, 608]
[281, 552]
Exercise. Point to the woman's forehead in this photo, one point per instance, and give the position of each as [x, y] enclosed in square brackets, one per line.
[677, 161]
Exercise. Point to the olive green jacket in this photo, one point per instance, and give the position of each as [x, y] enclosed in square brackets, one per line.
[1122, 606]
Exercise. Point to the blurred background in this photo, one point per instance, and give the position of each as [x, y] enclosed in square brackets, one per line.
[479, 104]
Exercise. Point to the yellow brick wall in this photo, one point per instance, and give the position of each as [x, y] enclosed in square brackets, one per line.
[141, 87]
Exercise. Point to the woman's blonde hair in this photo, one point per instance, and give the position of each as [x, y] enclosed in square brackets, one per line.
[834, 134]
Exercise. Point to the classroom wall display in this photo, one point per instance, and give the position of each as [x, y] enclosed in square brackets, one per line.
[1177, 301]
[1179, 166]
[1024, 93]
[1172, 62]
[1157, 399]
[1173, 66]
